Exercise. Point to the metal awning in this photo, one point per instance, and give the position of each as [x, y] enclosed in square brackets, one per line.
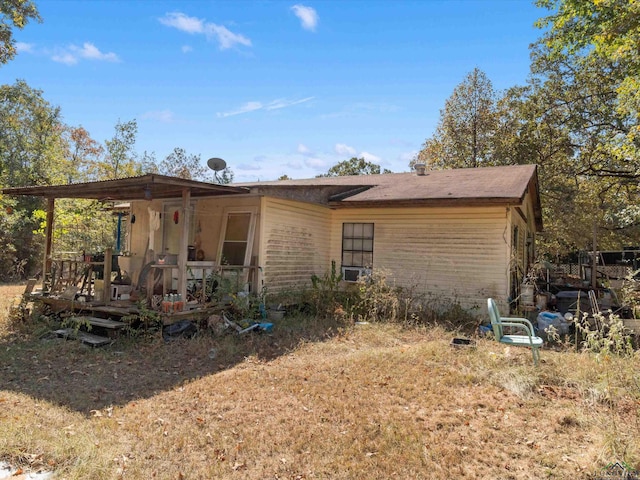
[144, 187]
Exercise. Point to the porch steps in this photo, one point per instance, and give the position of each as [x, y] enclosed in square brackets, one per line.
[84, 337]
[98, 322]
[90, 338]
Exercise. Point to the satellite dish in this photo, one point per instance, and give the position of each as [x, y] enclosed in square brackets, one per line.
[216, 164]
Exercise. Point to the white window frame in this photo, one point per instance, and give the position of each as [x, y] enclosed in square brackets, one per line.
[253, 212]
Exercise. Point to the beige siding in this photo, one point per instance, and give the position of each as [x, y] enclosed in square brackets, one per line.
[209, 218]
[452, 254]
[461, 254]
[295, 243]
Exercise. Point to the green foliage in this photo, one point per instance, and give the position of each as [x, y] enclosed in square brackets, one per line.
[604, 29]
[354, 166]
[180, 164]
[32, 152]
[586, 72]
[607, 336]
[374, 298]
[120, 160]
[14, 14]
[31, 144]
[83, 155]
[326, 292]
[225, 177]
[466, 128]
[377, 300]
[144, 323]
[76, 323]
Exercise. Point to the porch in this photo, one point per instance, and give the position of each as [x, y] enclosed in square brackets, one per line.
[161, 264]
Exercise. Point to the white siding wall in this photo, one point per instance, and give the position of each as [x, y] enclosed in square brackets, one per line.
[452, 254]
[295, 243]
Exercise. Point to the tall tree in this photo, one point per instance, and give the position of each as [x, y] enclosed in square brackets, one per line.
[31, 153]
[466, 127]
[14, 14]
[121, 157]
[586, 69]
[83, 154]
[31, 144]
[354, 166]
[225, 176]
[181, 164]
[608, 29]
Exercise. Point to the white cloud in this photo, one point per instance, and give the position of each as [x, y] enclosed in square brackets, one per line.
[283, 103]
[407, 156]
[91, 52]
[307, 15]
[253, 106]
[183, 22]
[73, 54]
[22, 47]
[370, 157]
[192, 25]
[65, 57]
[186, 49]
[250, 167]
[293, 165]
[164, 116]
[342, 149]
[304, 150]
[315, 163]
[247, 107]
[226, 38]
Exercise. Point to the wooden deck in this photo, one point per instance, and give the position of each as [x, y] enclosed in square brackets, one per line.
[120, 309]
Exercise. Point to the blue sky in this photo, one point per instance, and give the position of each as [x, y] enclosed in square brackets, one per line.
[273, 87]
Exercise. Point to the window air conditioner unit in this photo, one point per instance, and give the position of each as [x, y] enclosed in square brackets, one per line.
[351, 274]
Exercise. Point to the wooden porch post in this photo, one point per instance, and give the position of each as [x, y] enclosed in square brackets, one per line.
[184, 242]
[106, 294]
[48, 243]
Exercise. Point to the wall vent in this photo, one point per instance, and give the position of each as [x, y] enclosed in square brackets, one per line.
[421, 169]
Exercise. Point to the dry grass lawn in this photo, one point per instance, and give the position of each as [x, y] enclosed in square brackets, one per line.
[312, 400]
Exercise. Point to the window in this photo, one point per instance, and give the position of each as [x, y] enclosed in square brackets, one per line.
[238, 238]
[357, 245]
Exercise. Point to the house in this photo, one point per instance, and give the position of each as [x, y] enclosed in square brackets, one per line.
[460, 235]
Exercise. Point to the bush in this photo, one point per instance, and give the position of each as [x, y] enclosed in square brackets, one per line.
[374, 298]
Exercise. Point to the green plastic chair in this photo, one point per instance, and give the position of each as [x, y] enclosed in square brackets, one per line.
[529, 338]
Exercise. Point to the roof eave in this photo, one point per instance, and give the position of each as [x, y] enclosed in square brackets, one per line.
[133, 188]
[428, 202]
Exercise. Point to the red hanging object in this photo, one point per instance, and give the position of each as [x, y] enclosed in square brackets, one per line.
[176, 217]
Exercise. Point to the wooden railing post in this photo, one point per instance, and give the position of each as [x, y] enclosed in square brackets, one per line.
[46, 261]
[108, 259]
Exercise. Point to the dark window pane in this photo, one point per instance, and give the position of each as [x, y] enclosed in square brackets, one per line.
[233, 253]
[238, 226]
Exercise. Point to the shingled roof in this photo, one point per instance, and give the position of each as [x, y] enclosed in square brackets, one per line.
[506, 185]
